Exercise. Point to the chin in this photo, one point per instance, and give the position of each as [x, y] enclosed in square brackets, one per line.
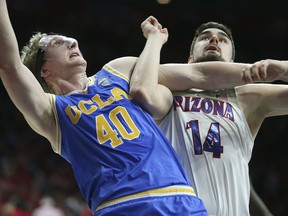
[208, 58]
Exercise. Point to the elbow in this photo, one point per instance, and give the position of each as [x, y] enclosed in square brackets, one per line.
[141, 96]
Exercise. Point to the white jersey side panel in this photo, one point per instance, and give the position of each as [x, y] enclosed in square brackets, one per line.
[210, 134]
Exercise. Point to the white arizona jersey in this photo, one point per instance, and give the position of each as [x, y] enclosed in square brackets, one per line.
[210, 134]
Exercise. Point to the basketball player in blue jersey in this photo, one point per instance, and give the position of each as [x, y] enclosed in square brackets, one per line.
[122, 162]
[213, 131]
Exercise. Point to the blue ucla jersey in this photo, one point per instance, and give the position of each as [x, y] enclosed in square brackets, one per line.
[113, 146]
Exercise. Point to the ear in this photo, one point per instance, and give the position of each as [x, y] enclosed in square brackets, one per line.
[190, 59]
[45, 72]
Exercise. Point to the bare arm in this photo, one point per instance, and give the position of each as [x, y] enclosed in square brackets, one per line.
[259, 101]
[256, 206]
[206, 75]
[144, 87]
[21, 85]
[217, 75]
[124, 65]
[274, 69]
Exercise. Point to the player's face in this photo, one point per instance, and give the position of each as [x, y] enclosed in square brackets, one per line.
[61, 52]
[212, 45]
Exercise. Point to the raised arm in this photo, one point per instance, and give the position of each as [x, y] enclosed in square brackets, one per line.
[144, 88]
[21, 85]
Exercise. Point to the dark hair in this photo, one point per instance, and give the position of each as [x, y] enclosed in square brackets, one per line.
[213, 25]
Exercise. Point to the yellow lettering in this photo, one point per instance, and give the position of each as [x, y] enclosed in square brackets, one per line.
[74, 117]
[118, 93]
[100, 103]
[84, 109]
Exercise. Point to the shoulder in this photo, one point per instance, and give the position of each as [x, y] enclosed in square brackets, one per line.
[124, 65]
[256, 89]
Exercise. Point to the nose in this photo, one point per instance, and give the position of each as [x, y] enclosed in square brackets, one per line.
[71, 43]
[214, 39]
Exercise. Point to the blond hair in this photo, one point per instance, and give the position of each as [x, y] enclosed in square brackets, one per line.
[29, 57]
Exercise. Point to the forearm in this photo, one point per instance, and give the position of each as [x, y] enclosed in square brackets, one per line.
[144, 79]
[218, 75]
[144, 88]
[206, 75]
[8, 43]
[149, 60]
[21, 85]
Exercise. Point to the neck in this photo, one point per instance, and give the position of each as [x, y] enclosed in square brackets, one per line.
[65, 86]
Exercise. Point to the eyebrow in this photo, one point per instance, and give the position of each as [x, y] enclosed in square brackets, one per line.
[210, 32]
[56, 38]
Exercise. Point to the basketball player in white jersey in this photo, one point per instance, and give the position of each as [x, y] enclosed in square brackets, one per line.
[213, 131]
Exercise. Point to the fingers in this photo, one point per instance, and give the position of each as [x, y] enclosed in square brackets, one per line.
[164, 31]
[255, 73]
[263, 71]
[153, 21]
[151, 26]
[246, 75]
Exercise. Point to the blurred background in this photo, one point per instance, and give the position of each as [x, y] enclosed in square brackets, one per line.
[107, 29]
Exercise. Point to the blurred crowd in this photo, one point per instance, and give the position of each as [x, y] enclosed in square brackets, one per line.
[31, 174]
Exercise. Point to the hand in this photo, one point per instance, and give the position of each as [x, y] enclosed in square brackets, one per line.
[151, 26]
[266, 70]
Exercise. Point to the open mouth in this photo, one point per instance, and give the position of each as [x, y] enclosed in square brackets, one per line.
[212, 48]
[74, 54]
